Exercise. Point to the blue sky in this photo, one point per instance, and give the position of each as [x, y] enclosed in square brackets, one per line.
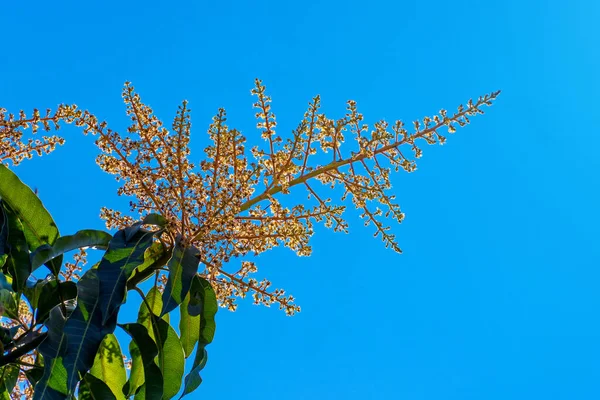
[495, 296]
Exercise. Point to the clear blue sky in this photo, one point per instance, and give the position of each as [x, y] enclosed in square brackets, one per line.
[496, 295]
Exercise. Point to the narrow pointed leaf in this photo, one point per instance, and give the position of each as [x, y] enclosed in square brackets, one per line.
[154, 300]
[117, 265]
[53, 384]
[8, 379]
[203, 300]
[183, 266]
[136, 374]
[189, 327]
[17, 263]
[33, 289]
[3, 235]
[171, 359]
[5, 283]
[85, 329]
[52, 293]
[34, 374]
[141, 394]
[155, 256]
[64, 244]
[193, 379]
[7, 334]
[8, 305]
[39, 226]
[77, 343]
[93, 388]
[109, 367]
[154, 219]
[147, 352]
[205, 295]
[91, 320]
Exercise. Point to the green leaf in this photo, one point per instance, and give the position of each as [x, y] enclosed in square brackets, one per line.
[8, 379]
[189, 327]
[144, 357]
[85, 329]
[5, 283]
[3, 235]
[39, 226]
[203, 304]
[53, 384]
[64, 244]
[155, 256]
[100, 293]
[204, 294]
[18, 264]
[170, 353]
[154, 219]
[109, 367]
[92, 388]
[153, 300]
[8, 305]
[193, 379]
[33, 289]
[34, 375]
[117, 265]
[72, 350]
[8, 334]
[53, 293]
[136, 375]
[183, 266]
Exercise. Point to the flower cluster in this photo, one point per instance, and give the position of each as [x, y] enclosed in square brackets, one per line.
[229, 205]
[14, 148]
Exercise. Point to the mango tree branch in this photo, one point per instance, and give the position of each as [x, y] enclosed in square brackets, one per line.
[20, 351]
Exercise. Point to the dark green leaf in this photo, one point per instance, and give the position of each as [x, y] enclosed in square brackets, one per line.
[3, 235]
[85, 329]
[53, 293]
[183, 266]
[136, 375]
[109, 367]
[18, 264]
[122, 257]
[64, 244]
[203, 300]
[5, 283]
[170, 353]
[153, 299]
[92, 388]
[145, 354]
[34, 375]
[72, 351]
[8, 380]
[39, 226]
[141, 394]
[7, 334]
[205, 294]
[154, 257]
[100, 294]
[33, 289]
[189, 327]
[53, 384]
[154, 219]
[193, 379]
[8, 304]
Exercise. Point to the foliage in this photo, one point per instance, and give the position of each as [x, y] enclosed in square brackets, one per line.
[193, 225]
